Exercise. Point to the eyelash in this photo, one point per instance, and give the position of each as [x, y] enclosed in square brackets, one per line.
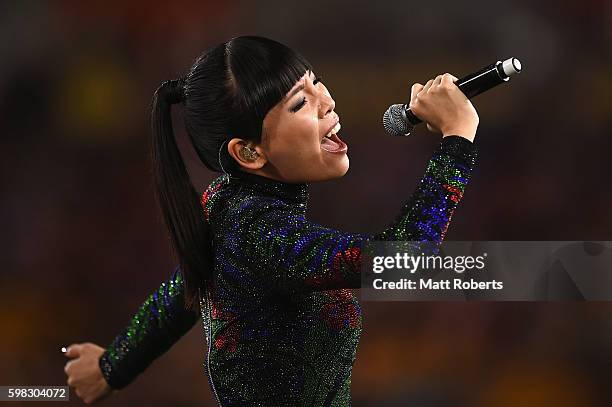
[303, 102]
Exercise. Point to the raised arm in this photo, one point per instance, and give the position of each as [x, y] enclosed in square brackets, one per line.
[427, 214]
[160, 321]
[297, 255]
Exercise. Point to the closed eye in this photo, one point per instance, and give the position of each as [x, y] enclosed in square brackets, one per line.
[302, 102]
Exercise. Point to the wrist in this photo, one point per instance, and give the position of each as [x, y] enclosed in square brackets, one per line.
[468, 134]
[460, 149]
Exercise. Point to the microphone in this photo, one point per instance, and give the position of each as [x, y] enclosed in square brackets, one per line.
[399, 120]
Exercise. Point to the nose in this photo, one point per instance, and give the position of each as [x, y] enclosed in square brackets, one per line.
[327, 105]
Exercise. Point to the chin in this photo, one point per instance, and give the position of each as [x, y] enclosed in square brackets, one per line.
[342, 169]
[338, 170]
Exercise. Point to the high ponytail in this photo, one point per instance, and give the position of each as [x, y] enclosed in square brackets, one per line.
[179, 201]
[226, 93]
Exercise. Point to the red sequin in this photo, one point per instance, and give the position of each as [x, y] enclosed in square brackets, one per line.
[457, 194]
[349, 258]
[228, 340]
[206, 197]
[342, 311]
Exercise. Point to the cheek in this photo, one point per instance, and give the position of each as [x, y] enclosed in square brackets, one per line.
[304, 124]
[300, 132]
[292, 150]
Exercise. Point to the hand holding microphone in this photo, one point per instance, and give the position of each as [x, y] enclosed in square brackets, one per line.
[400, 119]
[444, 107]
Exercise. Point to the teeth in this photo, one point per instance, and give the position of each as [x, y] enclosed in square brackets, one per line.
[335, 130]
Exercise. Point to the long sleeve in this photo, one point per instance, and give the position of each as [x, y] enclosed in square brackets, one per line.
[160, 321]
[288, 251]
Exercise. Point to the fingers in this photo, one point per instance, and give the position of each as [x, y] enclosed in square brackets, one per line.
[74, 350]
[67, 367]
[427, 86]
[71, 381]
[431, 84]
[75, 377]
[437, 81]
[414, 91]
[445, 81]
[448, 80]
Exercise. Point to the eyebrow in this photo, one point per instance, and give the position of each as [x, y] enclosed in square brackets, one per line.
[299, 88]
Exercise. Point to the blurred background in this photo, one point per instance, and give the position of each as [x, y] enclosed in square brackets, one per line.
[82, 238]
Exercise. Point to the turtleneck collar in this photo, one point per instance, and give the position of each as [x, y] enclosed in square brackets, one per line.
[295, 192]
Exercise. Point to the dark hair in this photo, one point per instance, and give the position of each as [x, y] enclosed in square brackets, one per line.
[227, 93]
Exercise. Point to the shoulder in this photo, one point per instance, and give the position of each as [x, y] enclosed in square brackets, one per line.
[225, 201]
[245, 207]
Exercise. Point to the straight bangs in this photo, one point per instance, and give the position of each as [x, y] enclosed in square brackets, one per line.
[263, 71]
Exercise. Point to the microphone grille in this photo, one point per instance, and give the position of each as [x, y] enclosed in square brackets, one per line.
[394, 120]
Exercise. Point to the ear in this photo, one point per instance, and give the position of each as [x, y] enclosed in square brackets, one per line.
[236, 144]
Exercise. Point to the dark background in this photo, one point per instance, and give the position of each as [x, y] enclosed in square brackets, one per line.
[82, 239]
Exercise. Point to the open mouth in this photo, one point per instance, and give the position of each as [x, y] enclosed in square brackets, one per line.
[332, 143]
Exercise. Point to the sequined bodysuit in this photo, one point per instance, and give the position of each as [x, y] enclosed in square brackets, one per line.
[282, 324]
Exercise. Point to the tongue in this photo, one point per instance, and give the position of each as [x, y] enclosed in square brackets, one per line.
[329, 145]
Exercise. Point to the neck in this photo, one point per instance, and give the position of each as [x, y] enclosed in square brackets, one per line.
[294, 192]
[265, 171]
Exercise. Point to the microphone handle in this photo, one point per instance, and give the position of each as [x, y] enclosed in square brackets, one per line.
[472, 85]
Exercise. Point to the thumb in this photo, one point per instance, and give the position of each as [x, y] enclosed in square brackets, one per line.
[73, 351]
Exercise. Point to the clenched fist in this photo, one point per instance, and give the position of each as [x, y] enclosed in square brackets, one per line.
[84, 372]
[442, 105]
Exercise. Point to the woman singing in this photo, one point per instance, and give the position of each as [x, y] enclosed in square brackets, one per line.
[271, 287]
